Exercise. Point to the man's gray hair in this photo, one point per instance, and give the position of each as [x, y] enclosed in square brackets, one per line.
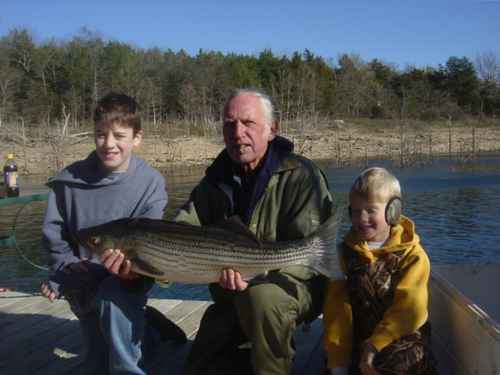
[265, 101]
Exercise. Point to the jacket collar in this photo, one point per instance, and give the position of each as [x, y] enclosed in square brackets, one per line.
[402, 236]
[88, 172]
[222, 173]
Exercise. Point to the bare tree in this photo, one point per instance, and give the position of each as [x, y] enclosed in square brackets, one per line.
[21, 49]
[488, 67]
[8, 79]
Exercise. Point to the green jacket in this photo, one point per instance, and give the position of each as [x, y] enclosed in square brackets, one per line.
[294, 203]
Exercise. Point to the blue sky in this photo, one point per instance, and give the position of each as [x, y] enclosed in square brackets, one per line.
[402, 32]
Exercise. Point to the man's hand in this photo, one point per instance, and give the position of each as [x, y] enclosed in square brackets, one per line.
[47, 291]
[367, 357]
[232, 280]
[115, 262]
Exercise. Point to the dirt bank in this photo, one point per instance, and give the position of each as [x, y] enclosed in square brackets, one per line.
[345, 145]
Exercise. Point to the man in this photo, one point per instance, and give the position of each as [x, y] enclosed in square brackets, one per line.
[279, 196]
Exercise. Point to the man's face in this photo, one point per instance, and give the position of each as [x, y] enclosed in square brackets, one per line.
[247, 131]
[114, 144]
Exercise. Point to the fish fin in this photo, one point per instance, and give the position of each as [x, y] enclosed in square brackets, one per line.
[236, 225]
[161, 226]
[148, 224]
[144, 268]
[327, 258]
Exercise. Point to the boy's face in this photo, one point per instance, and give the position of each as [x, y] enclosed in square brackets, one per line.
[114, 144]
[368, 219]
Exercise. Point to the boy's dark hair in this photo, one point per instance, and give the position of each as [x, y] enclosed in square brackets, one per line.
[118, 108]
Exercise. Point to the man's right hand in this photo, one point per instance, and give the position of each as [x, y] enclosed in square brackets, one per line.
[47, 291]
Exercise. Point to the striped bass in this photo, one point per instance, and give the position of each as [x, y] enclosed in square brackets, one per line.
[179, 252]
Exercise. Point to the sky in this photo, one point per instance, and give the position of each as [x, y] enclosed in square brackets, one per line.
[404, 33]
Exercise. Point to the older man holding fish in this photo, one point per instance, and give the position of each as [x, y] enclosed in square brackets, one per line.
[279, 196]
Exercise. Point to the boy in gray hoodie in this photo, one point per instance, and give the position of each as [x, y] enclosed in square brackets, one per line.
[111, 183]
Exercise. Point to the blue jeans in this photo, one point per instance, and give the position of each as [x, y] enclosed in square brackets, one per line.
[116, 339]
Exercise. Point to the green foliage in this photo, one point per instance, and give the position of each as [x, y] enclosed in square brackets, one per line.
[462, 82]
[52, 82]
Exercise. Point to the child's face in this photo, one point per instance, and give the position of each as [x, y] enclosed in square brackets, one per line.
[114, 144]
[368, 219]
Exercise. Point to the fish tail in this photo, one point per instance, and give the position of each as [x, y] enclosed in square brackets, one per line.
[326, 258]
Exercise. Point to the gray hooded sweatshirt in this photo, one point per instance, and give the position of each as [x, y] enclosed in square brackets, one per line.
[82, 196]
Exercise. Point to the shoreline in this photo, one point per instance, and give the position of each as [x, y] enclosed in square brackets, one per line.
[345, 147]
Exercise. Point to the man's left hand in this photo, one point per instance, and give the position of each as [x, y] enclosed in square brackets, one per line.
[114, 261]
[367, 357]
[232, 280]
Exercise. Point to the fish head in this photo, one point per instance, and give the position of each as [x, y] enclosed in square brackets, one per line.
[111, 235]
[99, 243]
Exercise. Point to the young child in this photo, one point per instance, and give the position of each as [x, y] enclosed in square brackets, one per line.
[376, 320]
[110, 183]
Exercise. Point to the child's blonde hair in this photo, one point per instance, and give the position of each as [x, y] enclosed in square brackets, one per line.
[376, 185]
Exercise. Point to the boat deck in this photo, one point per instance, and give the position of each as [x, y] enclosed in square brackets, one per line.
[40, 337]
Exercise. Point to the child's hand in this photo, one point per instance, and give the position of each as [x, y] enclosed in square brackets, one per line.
[47, 291]
[114, 261]
[366, 362]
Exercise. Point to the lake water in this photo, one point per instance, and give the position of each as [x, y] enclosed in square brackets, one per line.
[456, 208]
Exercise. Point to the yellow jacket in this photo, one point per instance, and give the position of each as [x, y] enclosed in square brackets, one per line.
[408, 311]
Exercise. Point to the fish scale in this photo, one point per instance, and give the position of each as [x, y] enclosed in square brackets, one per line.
[184, 253]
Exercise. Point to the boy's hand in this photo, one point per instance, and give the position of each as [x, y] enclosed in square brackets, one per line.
[232, 280]
[47, 291]
[114, 261]
[367, 357]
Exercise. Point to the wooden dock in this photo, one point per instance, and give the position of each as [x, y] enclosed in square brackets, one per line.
[40, 337]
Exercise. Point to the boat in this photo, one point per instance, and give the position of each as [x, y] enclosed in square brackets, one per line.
[464, 311]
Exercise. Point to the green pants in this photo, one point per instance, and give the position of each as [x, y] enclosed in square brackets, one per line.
[266, 315]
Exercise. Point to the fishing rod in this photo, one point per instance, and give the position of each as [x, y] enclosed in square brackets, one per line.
[25, 231]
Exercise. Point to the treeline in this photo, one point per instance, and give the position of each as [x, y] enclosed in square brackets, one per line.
[58, 82]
